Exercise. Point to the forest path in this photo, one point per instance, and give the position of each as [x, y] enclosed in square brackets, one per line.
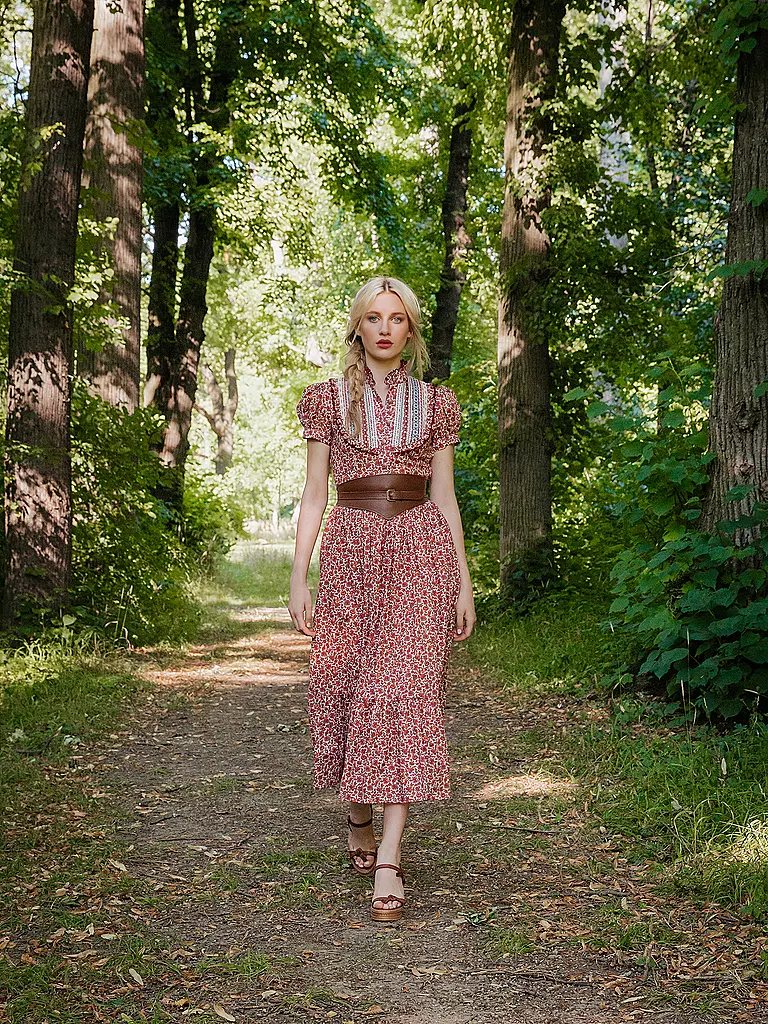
[255, 910]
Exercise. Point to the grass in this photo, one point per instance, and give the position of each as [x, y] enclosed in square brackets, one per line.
[697, 800]
[559, 647]
[257, 574]
[509, 942]
[693, 800]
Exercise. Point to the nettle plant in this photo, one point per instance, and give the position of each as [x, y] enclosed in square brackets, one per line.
[692, 605]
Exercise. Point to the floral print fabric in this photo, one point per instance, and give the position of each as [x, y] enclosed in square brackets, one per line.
[385, 608]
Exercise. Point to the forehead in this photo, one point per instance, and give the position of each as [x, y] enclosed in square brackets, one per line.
[386, 302]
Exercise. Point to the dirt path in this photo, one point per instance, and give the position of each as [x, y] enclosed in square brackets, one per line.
[256, 915]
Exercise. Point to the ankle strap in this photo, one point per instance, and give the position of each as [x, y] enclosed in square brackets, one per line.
[395, 867]
[358, 824]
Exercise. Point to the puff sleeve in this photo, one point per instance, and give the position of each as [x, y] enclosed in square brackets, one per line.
[314, 412]
[447, 419]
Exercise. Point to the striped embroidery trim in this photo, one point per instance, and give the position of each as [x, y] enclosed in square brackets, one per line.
[410, 418]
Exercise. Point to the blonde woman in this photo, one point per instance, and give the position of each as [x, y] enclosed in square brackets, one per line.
[394, 590]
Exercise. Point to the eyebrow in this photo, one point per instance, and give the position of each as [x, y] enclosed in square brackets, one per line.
[396, 312]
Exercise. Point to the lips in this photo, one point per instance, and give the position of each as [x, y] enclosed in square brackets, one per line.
[384, 344]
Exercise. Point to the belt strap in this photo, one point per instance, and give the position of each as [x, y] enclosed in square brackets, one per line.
[390, 494]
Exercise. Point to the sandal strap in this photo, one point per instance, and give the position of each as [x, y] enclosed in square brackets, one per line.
[362, 853]
[395, 867]
[359, 824]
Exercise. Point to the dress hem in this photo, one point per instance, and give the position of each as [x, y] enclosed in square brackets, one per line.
[367, 798]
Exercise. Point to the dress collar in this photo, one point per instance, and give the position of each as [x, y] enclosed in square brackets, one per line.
[396, 376]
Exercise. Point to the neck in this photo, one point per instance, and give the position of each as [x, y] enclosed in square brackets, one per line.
[381, 367]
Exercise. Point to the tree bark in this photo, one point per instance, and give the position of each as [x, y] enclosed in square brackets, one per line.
[164, 32]
[523, 356]
[38, 485]
[222, 418]
[457, 241]
[738, 422]
[113, 171]
[179, 388]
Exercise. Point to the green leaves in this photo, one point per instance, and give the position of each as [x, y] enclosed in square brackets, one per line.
[736, 26]
[756, 267]
[701, 618]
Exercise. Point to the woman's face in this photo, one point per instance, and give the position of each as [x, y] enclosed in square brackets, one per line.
[384, 329]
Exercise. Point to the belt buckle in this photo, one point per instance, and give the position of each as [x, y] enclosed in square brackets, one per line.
[391, 494]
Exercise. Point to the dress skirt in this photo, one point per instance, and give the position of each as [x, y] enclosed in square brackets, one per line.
[385, 619]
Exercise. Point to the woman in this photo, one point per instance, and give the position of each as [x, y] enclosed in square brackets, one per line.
[394, 589]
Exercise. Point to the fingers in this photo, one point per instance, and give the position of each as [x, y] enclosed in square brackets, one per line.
[465, 621]
[300, 622]
[459, 621]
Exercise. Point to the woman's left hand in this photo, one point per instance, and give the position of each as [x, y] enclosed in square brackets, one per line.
[465, 613]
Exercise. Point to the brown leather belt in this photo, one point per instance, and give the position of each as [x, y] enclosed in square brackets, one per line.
[388, 494]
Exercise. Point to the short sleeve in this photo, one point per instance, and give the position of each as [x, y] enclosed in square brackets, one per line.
[314, 412]
[447, 418]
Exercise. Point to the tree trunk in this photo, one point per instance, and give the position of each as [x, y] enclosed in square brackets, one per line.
[38, 485]
[738, 422]
[188, 343]
[113, 171]
[179, 388]
[222, 418]
[164, 32]
[457, 241]
[162, 305]
[523, 355]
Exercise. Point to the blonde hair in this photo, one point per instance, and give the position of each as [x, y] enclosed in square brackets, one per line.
[416, 355]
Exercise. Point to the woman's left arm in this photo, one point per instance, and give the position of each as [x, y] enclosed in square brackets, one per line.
[442, 493]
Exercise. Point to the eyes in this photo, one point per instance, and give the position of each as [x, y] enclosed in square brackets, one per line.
[373, 317]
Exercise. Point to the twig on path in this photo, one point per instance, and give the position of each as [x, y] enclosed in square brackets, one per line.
[530, 974]
[426, 965]
[520, 828]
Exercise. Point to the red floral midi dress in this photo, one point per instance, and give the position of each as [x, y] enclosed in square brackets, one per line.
[386, 600]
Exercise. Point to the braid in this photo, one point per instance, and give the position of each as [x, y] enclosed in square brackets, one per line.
[354, 371]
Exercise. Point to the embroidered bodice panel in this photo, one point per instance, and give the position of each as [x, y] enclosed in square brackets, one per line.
[399, 434]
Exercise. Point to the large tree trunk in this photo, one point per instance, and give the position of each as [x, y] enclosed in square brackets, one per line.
[523, 355]
[222, 418]
[738, 422]
[113, 171]
[457, 241]
[38, 491]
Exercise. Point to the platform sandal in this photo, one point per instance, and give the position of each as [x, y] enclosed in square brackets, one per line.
[361, 853]
[388, 913]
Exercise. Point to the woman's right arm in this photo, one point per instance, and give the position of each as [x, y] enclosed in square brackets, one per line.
[314, 499]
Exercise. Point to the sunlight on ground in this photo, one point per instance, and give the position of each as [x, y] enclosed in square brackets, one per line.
[750, 845]
[524, 785]
[250, 614]
[259, 660]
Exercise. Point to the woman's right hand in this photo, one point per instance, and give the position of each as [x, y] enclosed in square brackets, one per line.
[300, 607]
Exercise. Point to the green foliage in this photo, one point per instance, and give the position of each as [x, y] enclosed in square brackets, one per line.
[476, 472]
[211, 523]
[133, 566]
[698, 610]
[691, 604]
[736, 27]
[557, 647]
